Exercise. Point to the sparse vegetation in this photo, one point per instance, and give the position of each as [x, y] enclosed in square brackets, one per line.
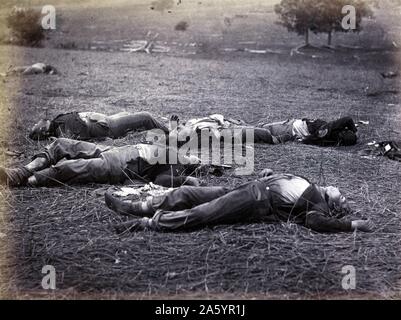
[161, 5]
[181, 26]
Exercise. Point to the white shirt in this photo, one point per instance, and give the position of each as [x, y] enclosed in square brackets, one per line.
[214, 123]
[289, 187]
[300, 129]
[39, 67]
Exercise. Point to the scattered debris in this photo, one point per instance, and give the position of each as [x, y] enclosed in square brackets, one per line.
[144, 46]
[255, 51]
[247, 42]
[11, 153]
[389, 74]
[161, 5]
[227, 22]
[148, 46]
[376, 93]
[171, 275]
[230, 49]
[140, 191]
[362, 122]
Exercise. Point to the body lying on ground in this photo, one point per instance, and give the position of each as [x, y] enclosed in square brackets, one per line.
[67, 161]
[317, 132]
[215, 124]
[37, 68]
[314, 131]
[92, 125]
[273, 198]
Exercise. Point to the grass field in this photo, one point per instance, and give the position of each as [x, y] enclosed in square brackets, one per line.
[69, 227]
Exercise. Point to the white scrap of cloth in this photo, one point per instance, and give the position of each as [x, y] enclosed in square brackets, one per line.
[127, 191]
[149, 189]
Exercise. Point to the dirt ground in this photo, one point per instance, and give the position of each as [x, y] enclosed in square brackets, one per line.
[69, 227]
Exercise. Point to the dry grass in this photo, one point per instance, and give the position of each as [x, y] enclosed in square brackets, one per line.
[69, 227]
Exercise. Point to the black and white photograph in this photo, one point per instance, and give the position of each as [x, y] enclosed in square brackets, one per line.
[200, 150]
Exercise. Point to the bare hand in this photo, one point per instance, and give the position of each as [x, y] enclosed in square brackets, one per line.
[266, 173]
[175, 118]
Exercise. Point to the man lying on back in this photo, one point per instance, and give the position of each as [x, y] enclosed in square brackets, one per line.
[93, 125]
[318, 132]
[273, 198]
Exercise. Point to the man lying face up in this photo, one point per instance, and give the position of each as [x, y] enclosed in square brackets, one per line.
[310, 131]
[67, 161]
[37, 68]
[340, 132]
[93, 125]
[273, 198]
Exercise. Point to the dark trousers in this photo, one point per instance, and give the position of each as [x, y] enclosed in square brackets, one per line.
[73, 161]
[78, 162]
[192, 207]
[63, 148]
[280, 132]
[260, 135]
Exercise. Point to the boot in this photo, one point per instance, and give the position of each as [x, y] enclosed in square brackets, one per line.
[14, 177]
[127, 208]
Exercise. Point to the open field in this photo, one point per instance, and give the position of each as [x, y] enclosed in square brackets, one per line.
[69, 227]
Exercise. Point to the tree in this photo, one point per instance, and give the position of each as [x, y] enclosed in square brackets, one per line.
[319, 16]
[297, 16]
[331, 16]
[25, 26]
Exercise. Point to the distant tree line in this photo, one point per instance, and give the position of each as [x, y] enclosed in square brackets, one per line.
[320, 16]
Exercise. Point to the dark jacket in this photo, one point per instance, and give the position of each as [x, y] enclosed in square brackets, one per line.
[70, 125]
[328, 133]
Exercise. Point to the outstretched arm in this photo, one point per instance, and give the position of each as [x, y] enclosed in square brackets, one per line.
[174, 122]
[266, 173]
[317, 221]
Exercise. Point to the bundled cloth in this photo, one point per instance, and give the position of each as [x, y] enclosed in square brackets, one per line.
[390, 149]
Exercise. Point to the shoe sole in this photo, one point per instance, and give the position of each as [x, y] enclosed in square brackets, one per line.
[110, 200]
